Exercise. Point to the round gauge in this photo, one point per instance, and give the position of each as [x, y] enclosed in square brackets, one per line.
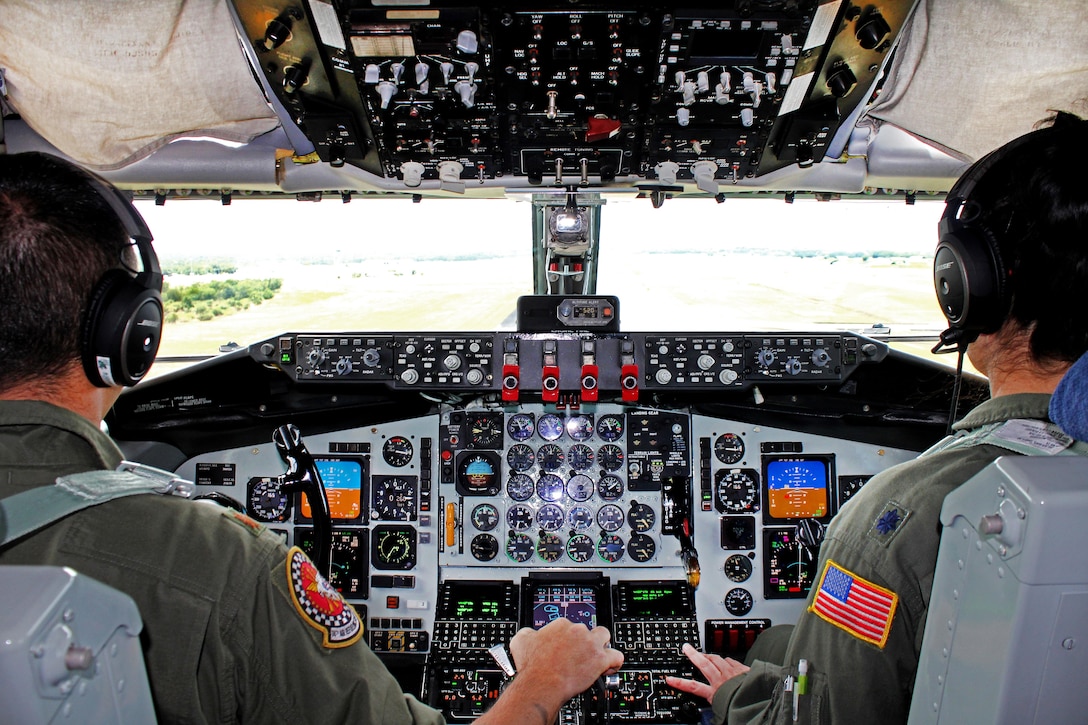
[610, 548]
[640, 517]
[580, 548]
[551, 457]
[519, 518]
[485, 517]
[484, 547]
[580, 487]
[580, 457]
[519, 547]
[477, 474]
[610, 517]
[550, 517]
[520, 487]
[580, 518]
[549, 547]
[610, 487]
[397, 451]
[484, 430]
[737, 490]
[550, 487]
[610, 457]
[738, 602]
[610, 427]
[266, 500]
[520, 457]
[394, 547]
[521, 426]
[394, 498]
[641, 548]
[729, 448]
[580, 427]
[790, 567]
[849, 485]
[550, 427]
[738, 568]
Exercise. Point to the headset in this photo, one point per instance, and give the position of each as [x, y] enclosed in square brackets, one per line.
[969, 276]
[122, 326]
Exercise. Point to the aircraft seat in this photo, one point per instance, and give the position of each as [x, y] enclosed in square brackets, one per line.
[1006, 639]
[69, 650]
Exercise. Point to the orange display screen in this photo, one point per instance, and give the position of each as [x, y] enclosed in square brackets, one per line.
[797, 488]
[344, 487]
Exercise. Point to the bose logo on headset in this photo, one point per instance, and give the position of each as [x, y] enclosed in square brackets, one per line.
[123, 323]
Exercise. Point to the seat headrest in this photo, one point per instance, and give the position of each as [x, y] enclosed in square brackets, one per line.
[1069, 404]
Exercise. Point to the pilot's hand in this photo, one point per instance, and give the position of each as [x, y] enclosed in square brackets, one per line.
[716, 670]
[564, 657]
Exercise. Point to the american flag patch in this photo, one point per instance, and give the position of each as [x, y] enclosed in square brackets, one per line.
[847, 601]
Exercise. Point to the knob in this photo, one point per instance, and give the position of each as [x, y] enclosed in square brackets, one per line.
[315, 357]
[467, 42]
[410, 376]
[840, 80]
[371, 357]
[663, 376]
[702, 81]
[294, 77]
[666, 172]
[467, 91]
[447, 71]
[277, 32]
[727, 376]
[820, 358]
[343, 366]
[705, 361]
[704, 171]
[386, 90]
[452, 362]
[422, 69]
[683, 116]
[474, 376]
[372, 74]
[472, 68]
[412, 171]
[872, 29]
[765, 357]
[792, 366]
[747, 117]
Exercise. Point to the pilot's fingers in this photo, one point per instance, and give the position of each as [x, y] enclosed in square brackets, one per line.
[693, 687]
[709, 665]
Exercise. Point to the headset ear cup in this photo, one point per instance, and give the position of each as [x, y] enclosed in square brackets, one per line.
[968, 277]
[121, 330]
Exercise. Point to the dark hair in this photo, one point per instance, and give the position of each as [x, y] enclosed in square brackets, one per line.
[58, 237]
[1035, 201]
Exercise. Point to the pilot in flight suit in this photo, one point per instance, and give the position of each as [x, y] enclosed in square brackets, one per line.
[226, 639]
[862, 670]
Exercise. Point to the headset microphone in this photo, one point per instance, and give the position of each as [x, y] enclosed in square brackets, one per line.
[122, 325]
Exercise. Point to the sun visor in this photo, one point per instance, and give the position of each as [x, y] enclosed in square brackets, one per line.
[165, 70]
[1004, 65]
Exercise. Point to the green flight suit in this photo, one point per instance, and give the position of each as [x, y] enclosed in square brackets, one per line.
[225, 639]
[886, 536]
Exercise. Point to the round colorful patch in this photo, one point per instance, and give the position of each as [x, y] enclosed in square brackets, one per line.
[321, 606]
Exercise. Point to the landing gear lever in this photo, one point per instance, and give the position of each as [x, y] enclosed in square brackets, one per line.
[302, 476]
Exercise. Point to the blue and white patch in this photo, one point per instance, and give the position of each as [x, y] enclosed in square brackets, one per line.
[889, 522]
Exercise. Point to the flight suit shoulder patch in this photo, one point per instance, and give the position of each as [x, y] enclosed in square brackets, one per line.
[889, 522]
[855, 605]
[319, 604]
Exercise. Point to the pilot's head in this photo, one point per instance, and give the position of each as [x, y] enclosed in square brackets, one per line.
[79, 284]
[1013, 250]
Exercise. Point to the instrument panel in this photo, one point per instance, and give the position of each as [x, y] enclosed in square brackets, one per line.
[674, 487]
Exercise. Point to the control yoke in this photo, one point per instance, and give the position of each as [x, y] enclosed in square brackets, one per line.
[302, 476]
